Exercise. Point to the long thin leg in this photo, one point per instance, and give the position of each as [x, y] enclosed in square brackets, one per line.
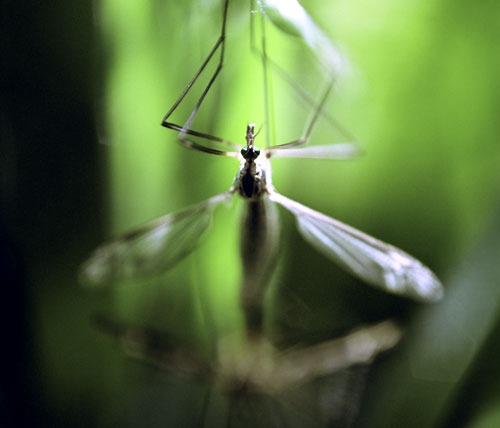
[308, 98]
[307, 134]
[302, 92]
[318, 107]
[268, 102]
[183, 130]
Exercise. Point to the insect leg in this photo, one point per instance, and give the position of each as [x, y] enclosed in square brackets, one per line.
[303, 94]
[183, 130]
[312, 123]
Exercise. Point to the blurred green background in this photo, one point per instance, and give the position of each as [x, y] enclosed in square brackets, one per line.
[83, 157]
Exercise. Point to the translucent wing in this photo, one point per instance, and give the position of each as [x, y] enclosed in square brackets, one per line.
[153, 346]
[371, 260]
[361, 346]
[152, 249]
[331, 151]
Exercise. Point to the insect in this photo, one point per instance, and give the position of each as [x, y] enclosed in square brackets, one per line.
[259, 382]
[257, 367]
[160, 245]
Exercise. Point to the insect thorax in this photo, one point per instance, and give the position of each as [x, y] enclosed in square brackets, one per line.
[251, 180]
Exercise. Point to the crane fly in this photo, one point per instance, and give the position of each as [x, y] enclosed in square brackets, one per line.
[161, 244]
[158, 246]
[259, 367]
[260, 381]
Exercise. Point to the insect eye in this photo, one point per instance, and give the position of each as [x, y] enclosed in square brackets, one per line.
[256, 151]
[244, 151]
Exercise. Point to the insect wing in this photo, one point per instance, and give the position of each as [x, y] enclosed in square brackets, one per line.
[371, 260]
[361, 346]
[152, 249]
[152, 346]
[330, 151]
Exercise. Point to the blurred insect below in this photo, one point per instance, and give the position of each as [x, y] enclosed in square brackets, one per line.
[160, 245]
[255, 384]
